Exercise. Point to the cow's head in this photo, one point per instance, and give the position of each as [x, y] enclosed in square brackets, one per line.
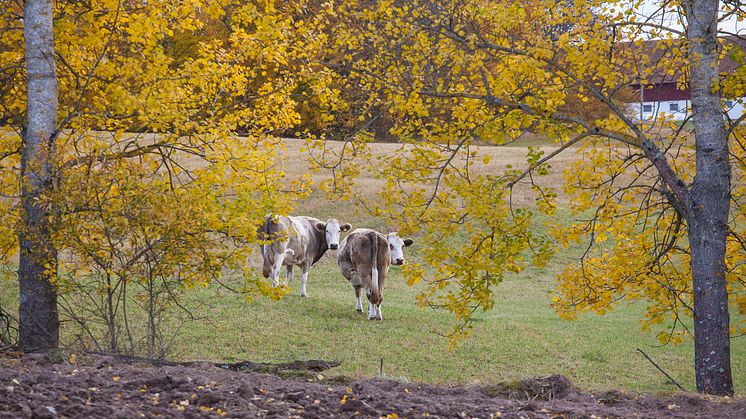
[397, 245]
[332, 229]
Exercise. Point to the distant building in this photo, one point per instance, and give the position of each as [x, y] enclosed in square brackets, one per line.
[665, 94]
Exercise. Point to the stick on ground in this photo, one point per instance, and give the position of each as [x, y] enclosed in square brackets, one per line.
[660, 369]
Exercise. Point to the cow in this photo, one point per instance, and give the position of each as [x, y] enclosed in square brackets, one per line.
[364, 257]
[300, 241]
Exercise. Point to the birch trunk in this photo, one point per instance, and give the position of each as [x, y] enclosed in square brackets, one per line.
[37, 269]
[708, 212]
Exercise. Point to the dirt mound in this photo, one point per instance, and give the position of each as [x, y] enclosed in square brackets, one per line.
[540, 388]
[104, 386]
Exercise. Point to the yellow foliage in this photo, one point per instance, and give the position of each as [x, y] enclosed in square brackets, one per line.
[153, 178]
[472, 72]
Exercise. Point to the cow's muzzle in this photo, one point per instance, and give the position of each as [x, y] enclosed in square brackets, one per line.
[399, 262]
[333, 246]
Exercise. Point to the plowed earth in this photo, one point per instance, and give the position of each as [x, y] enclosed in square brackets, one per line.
[104, 386]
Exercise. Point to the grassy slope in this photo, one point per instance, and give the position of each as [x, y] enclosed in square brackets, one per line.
[520, 337]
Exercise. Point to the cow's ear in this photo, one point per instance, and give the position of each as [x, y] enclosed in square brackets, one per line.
[321, 226]
[345, 227]
[408, 242]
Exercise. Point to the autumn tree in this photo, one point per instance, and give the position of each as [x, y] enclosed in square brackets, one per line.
[136, 172]
[651, 200]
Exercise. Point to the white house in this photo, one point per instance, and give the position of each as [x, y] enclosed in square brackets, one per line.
[665, 95]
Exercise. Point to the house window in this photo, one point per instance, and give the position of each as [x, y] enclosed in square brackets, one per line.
[673, 107]
[647, 108]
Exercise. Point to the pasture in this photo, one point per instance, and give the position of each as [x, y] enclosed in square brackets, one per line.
[521, 337]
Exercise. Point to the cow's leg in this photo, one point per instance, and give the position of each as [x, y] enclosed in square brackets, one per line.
[289, 274]
[303, 281]
[371, 311]
[381, 282]
[266, 262]
[349, 272]
[358, 303]
[281, 252]
[275, 277]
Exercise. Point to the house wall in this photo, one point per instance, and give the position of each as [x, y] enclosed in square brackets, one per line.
[735, 108]
[667, 98]
[652, 110]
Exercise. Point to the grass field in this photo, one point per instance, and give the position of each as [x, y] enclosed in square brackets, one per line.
[520, 337]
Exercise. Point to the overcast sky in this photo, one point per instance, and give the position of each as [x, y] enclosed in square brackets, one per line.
[670, 19]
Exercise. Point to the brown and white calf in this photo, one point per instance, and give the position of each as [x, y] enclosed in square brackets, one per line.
[296, 241]
[364, 258]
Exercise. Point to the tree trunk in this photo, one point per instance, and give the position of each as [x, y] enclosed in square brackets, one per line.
[37, 269]
[708, 211]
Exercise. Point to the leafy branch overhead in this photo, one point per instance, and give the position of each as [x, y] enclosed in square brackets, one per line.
[165, 152]
[457, 75]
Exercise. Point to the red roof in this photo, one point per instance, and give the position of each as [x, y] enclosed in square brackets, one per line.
[664, 92]
[661, 84]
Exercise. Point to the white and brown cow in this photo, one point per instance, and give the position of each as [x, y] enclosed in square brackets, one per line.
[364, 257]
[300, 241]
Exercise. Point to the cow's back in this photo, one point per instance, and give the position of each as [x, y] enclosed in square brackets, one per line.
[357, 249]
[360, 248]
[273, 228]
[309, 243]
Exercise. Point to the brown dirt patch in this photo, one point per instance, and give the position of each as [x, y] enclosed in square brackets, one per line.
[104, 386]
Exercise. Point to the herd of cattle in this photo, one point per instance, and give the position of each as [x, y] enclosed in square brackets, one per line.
[363, 256]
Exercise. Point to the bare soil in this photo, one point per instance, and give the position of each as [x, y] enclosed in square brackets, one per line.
[94, 386]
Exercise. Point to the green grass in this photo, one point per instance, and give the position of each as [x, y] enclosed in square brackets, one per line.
[521, 337]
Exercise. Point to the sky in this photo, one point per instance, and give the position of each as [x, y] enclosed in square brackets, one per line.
[669, 19]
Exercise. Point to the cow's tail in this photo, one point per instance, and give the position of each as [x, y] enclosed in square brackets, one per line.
[375, 292]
